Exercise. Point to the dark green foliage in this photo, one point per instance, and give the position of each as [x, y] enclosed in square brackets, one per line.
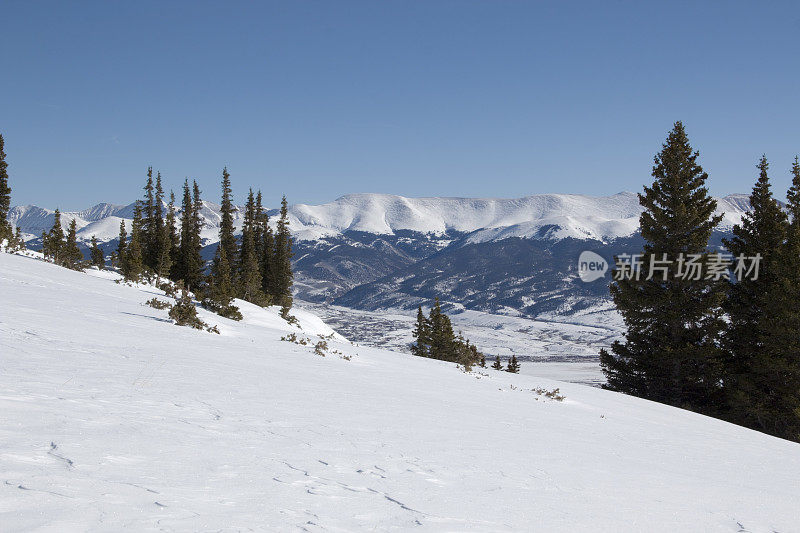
[189, 266]
[5, 195]
[421, 335]
[132, 264]
[71, 256]
[434, 338]
[122, 247]
[96, 255]
[149, 235]
[227, 240]
[282, 271]
[763, 371]
[482, 361]
[221, 292]
[249, 270]
[513, 365]
[671, 349]
[497, 365]
[53, 241]
[155, 303]
[184, 312]
[173, 237]
[266, 249]
[17, 243]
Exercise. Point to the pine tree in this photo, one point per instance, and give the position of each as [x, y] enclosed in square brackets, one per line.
[133, 265]
[482, 361]
[174, 239]
[222, 289]
[189, 266]
[149, 237]
[122, 247]
[98, 259]
[513, 365]
[762, 381]
[53, 242]
[266, 255]
[421, 335]
[5, 195]
[227, 239]
[670, 353]
[282, 274]
[442, 338]
[71, 256]
[497, 365]
[162, 252]
[19, 241]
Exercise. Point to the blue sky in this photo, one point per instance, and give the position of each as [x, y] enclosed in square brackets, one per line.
[421, 98]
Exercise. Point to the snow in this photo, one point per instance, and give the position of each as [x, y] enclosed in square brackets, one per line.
[552, 216]
[113, 418]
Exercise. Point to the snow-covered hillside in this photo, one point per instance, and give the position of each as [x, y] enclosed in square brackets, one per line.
[555, 216]
[113, 418]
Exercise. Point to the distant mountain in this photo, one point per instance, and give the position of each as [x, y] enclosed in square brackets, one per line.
[377, 251]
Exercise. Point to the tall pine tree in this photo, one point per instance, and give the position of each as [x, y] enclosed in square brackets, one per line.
[53, 241]
[5, 195]
[227, 239]
[149, 234]
[757, 340]
[282, 273]
[97, 257]
[133, 265]
[671, 349]
[122, 247]
[71, 256]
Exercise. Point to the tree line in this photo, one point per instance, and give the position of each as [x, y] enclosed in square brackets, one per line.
[718, 345]
[166, 242]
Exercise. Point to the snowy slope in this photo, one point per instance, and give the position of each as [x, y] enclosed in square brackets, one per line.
[553, 216]
[112, 418]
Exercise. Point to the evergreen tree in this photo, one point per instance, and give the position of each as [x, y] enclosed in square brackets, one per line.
[149, 236]
[71, 255]
[266, 249]
[222, 289]
[19, 241]
[98, 259]
[442, 338]
[162, 252]
[227, 239]
[122, 246]
[133, 264]
[189, 267]
[5, 195]
[497, 365]
[171, 229]
[282, 273]
[482, 361]
[671, 349]
[421, 335]
[53, 242]
[513, 365]
[762, 380]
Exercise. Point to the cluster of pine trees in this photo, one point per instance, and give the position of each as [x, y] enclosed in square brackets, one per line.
[14, 241]
[727, 348]
[63, 250]
[257, 269]
[434, 338]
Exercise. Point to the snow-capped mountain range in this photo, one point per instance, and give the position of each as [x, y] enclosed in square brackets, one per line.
[552, 216]
[377, 251]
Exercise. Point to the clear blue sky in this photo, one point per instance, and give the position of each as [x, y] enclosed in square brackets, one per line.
[420, 98]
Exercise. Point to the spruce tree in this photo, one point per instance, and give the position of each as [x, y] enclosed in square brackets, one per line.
[497, 365]
[162, 253]
[149, 236]
[282, 275]
[227, 239]
[71, 256]
[762, 382]
[442, 338]
[189, 265]
[96, 255]
[222, 291]
[513, 365]
[671, 349]
[5, 195]
[247, 251]
[122, 247]
[53, 241]
[266, 251]
[421, 335]
[133, 265]
[174, 238]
